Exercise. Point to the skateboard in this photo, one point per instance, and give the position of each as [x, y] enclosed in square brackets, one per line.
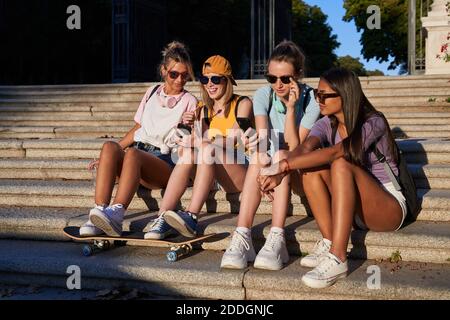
[179, 245]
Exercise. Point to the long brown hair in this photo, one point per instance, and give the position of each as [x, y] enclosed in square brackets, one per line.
[357, 110]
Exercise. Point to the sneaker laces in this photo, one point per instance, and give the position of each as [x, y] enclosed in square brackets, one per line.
[319, 248]
[273, 239]
[157, 224]
[326, 263]
[238, 241]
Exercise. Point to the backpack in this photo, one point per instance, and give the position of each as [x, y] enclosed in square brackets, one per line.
[205, 110]
[404, 182]
[305, 89]
[153, 92]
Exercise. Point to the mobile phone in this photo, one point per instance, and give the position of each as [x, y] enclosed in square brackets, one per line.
[244, 123]
[185, 127]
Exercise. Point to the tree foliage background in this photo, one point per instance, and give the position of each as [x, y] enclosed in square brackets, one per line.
[389, 42]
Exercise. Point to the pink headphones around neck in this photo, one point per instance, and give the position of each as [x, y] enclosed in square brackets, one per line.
[169, 102]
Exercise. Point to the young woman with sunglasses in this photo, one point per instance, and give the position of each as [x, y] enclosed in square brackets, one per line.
[288, 125]
[143, 155]
[218, 130]
[346, 183]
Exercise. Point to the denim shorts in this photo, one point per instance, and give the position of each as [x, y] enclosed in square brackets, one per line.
[154, 151]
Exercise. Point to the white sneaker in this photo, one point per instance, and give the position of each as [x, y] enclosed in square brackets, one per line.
[274, 253]
[329, 270]
[239, 253]
[88, 229]
[321, 248]
[110, 220]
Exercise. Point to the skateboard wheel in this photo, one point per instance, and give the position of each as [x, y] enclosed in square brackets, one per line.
[102, 244]
[88, 251]
[172, 256]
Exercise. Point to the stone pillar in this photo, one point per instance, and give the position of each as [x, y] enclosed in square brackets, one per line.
[437, 25]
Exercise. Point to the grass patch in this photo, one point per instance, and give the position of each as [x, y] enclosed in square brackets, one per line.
[431, 99]
[395, 257]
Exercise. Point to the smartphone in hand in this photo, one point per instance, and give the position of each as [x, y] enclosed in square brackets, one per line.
[244, 123]
[185, 127]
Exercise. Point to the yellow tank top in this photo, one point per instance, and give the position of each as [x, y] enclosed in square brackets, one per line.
[220, 124]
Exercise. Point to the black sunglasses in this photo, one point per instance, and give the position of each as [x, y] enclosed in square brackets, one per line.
[272, 79]
[175, 74]
[214, 79]
[324, 96]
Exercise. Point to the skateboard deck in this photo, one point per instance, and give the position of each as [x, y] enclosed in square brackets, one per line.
[179, 245]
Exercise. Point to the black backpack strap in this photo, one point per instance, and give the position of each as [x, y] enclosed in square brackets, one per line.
[237, 104]
[153, 92]
[306, 89]
[270, 102]
[387, 168]
[205, 115]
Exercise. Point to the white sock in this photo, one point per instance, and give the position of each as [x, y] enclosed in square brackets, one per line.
[277, 230]
[245, 231]
[327, 242]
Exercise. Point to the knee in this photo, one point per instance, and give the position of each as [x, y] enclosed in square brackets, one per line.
[340, 165]
[111, 147]
[132, 154]
[111, 151]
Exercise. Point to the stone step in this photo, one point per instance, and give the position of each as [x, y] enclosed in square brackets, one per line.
[421, 241]
[374, 95]
[35, 132]
[126, 119]
[96, 131]
[426, 176]
[421, 80]
[425, 151]
[366, 82]
[199, 276]
[80, 194]
[387, 105]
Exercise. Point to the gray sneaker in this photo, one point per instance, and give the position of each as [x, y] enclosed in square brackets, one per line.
[182, 221]
[88, 229]
[110, 220]
[159, 229]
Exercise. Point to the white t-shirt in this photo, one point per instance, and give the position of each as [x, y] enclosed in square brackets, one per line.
[158, 121]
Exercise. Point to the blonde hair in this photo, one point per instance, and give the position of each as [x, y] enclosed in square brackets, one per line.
[229, 95]
[177, 52]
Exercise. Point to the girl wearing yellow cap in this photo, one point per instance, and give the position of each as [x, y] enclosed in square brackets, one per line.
[218, 158]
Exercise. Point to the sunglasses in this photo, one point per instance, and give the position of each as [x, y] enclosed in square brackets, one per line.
[272, 79]
[324, 96]
[175, 74]
[214, 79]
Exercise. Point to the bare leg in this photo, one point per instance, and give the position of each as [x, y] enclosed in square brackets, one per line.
[281, 195]
[316, 185]
[251, 195]
[231, 177]
[179, 180]
[110, 166]
[140, 167]
[353, 189]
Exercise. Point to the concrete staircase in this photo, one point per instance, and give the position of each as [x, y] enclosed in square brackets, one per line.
[48, 134]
